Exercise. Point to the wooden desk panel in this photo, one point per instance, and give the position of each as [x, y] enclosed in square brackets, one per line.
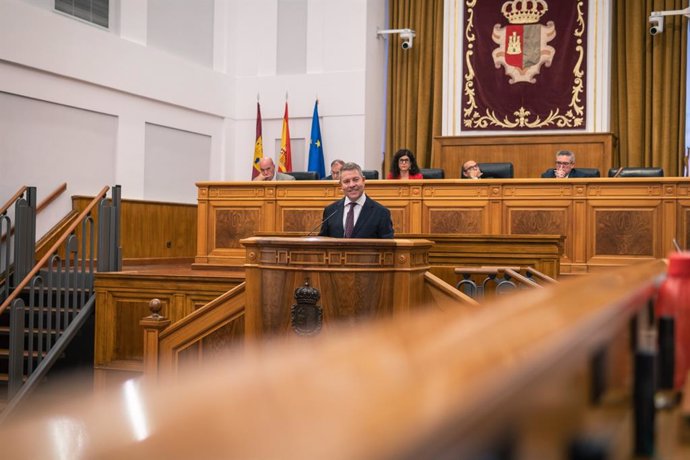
[606, 222]
[530, 154]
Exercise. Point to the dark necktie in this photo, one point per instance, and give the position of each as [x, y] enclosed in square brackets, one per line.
[350, 220]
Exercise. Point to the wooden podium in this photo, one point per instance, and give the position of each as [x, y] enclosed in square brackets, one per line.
[303, 285]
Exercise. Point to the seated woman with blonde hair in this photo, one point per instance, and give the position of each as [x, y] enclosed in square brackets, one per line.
[404, 166]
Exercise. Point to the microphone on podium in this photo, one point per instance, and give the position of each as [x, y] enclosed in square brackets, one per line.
[311, 233]
[618, 172]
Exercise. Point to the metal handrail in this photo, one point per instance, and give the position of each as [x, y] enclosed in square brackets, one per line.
[14, 198]
[102, 194]
[42, 205]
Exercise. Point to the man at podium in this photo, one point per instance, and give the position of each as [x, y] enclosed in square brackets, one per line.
[356, 215]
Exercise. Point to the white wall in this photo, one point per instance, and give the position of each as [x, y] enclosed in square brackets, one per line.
[136, 77]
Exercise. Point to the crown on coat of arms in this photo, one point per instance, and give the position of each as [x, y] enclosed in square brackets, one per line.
[524, 11]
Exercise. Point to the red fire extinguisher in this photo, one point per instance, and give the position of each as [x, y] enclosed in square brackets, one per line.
[673, 312]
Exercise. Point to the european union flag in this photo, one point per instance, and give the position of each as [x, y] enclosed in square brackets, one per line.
[316, 162]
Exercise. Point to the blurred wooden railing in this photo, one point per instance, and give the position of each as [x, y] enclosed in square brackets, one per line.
[481, 282]
[544, 373]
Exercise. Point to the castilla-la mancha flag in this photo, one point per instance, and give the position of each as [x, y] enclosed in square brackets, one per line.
[285, 158]
[258, 145]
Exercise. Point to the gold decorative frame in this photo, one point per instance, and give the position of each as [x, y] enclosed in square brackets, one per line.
[574, 117]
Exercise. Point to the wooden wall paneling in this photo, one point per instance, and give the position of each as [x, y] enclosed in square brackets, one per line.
[252, 316]
[625, 196]
[457, 207]
[625, 231]
[400, 216]
[581, 233]
[683, 219]
[118, 342]
[324, 191]
[122, 300]
[682, 227]
[530, 154]
[232, 222]
[414, 223]
[299, 216]
[669, 219]
[204, 222]
[541, 217]
[185, 228]
[453, 217]
[409, 272]
[491, 206]
[495, 210]
[235, 221]
[232, 213]
[152, 231]
[299, 206]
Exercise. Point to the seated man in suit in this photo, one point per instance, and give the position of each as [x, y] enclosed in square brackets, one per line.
[356, 215]
[470, 170]
[268, 171]
[335, 170]
[565, 160]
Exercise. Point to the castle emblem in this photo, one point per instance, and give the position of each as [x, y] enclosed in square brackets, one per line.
[523, 43]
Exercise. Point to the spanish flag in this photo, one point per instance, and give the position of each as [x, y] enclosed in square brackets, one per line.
[285, 159]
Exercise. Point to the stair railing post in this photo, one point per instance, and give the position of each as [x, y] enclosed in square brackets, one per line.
[109, 251]
[16, 361]
[153, 325]
[24, 234]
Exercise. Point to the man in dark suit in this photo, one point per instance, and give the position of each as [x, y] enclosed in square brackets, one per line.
[565, 162]
[335, 170]
[356, 215]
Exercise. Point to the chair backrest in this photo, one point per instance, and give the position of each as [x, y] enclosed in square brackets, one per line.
[432, 173]
[304, 175]
[589, 172]
[637, 172]
[495, 170]
[370, 174]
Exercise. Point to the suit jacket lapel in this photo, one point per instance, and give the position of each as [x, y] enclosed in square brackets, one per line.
[340, 229]
[363, 216]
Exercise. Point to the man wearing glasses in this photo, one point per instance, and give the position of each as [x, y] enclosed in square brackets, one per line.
[470, 170]
[565, 160]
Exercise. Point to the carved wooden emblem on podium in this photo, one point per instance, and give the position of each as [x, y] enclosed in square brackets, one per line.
[306, 316]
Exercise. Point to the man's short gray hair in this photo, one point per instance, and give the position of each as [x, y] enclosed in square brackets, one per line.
[351, 167]
[566, 153]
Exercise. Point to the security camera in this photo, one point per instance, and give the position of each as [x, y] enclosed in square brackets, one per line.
[657, 24]
[406, 35]
[407, 38]
[656, 19]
